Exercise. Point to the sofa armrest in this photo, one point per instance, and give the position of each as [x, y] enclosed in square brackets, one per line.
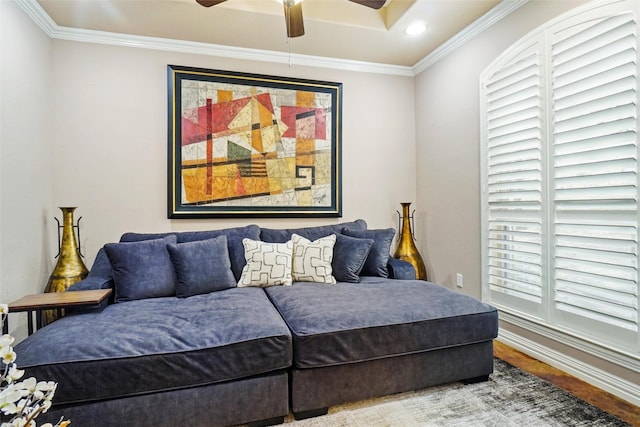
[399, 269]
[91, 283]
[100, 276]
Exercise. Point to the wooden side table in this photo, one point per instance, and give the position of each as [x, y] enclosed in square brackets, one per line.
[54, 301]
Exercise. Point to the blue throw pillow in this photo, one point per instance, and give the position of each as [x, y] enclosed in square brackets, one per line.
[202, 266]
[234, 236]
[273, 235]
[349, 255]
[140, 237]
[142, 269]
[234, 241]
[376, 263]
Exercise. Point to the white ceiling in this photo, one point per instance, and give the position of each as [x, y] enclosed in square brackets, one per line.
[333, 28]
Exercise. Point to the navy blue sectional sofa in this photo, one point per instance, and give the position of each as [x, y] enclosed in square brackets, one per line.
[225, 355]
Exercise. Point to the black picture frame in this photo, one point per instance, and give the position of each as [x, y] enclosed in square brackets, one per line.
[252, 145]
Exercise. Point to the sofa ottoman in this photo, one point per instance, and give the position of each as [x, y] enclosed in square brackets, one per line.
[355, 341]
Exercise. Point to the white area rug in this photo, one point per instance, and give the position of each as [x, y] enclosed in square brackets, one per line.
[511, 398]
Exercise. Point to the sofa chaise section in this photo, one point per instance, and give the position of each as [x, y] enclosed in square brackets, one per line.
[153, 351]
[355, 341]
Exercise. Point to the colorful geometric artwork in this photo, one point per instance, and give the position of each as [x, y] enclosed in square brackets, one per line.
[252, 145]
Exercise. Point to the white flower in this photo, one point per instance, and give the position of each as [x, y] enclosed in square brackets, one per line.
[8, 397]
[28, 385]
[14, 374]
[8, 355]
[6, 340]
[48, 386]
[44, 386]
[7, 393]
[35, 388]
[9, 408]
[21, 402]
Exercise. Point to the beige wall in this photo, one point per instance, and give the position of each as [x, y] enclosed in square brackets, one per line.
[448, 144]
[109, 133]
[448, 157]
[26, 149]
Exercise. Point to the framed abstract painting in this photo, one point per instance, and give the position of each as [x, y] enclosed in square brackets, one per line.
[244, 145]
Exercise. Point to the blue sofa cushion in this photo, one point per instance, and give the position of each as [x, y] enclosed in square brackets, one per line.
[349, 255]
[142, 269]
[234, 241]
[311, 233]
[202, 266]
[158, 344]
[390, 318]
[376, 263]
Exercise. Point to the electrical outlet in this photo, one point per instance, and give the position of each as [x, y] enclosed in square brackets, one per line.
[459, 280]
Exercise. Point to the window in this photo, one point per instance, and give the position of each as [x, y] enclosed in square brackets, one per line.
[560, 177]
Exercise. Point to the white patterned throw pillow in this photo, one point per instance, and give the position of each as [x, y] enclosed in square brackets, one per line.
[268, 264]
[312, 260]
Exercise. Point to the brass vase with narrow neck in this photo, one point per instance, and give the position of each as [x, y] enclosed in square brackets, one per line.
[407, 250]
[70, 268]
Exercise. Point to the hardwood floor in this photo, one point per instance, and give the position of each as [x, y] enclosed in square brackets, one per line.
[595, 396]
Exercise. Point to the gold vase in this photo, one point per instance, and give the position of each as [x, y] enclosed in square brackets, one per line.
[70, 268]
[407, 250]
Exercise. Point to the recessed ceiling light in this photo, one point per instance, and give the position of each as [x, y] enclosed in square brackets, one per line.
[415, 29]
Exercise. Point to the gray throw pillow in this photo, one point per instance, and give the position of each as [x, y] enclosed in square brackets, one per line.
[201, 266]
[142, 269]
[376, 262]
[349, 255]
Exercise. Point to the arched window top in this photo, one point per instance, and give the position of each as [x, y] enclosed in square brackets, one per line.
[559, 124]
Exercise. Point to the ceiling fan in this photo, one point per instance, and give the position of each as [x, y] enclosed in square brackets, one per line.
[293, 12]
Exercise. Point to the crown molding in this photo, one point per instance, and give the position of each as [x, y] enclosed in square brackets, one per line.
[503, 9]
[54, 31]
[38, 15]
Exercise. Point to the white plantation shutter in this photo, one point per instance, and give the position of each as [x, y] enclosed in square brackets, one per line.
[595, 191]
[560, 177]
[514, 181]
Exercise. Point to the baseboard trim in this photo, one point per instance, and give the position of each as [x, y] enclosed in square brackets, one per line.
[613, 384]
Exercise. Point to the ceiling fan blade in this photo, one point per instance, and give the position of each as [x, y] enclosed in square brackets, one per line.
[293, 20]
[373, 4]
[209, 3]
